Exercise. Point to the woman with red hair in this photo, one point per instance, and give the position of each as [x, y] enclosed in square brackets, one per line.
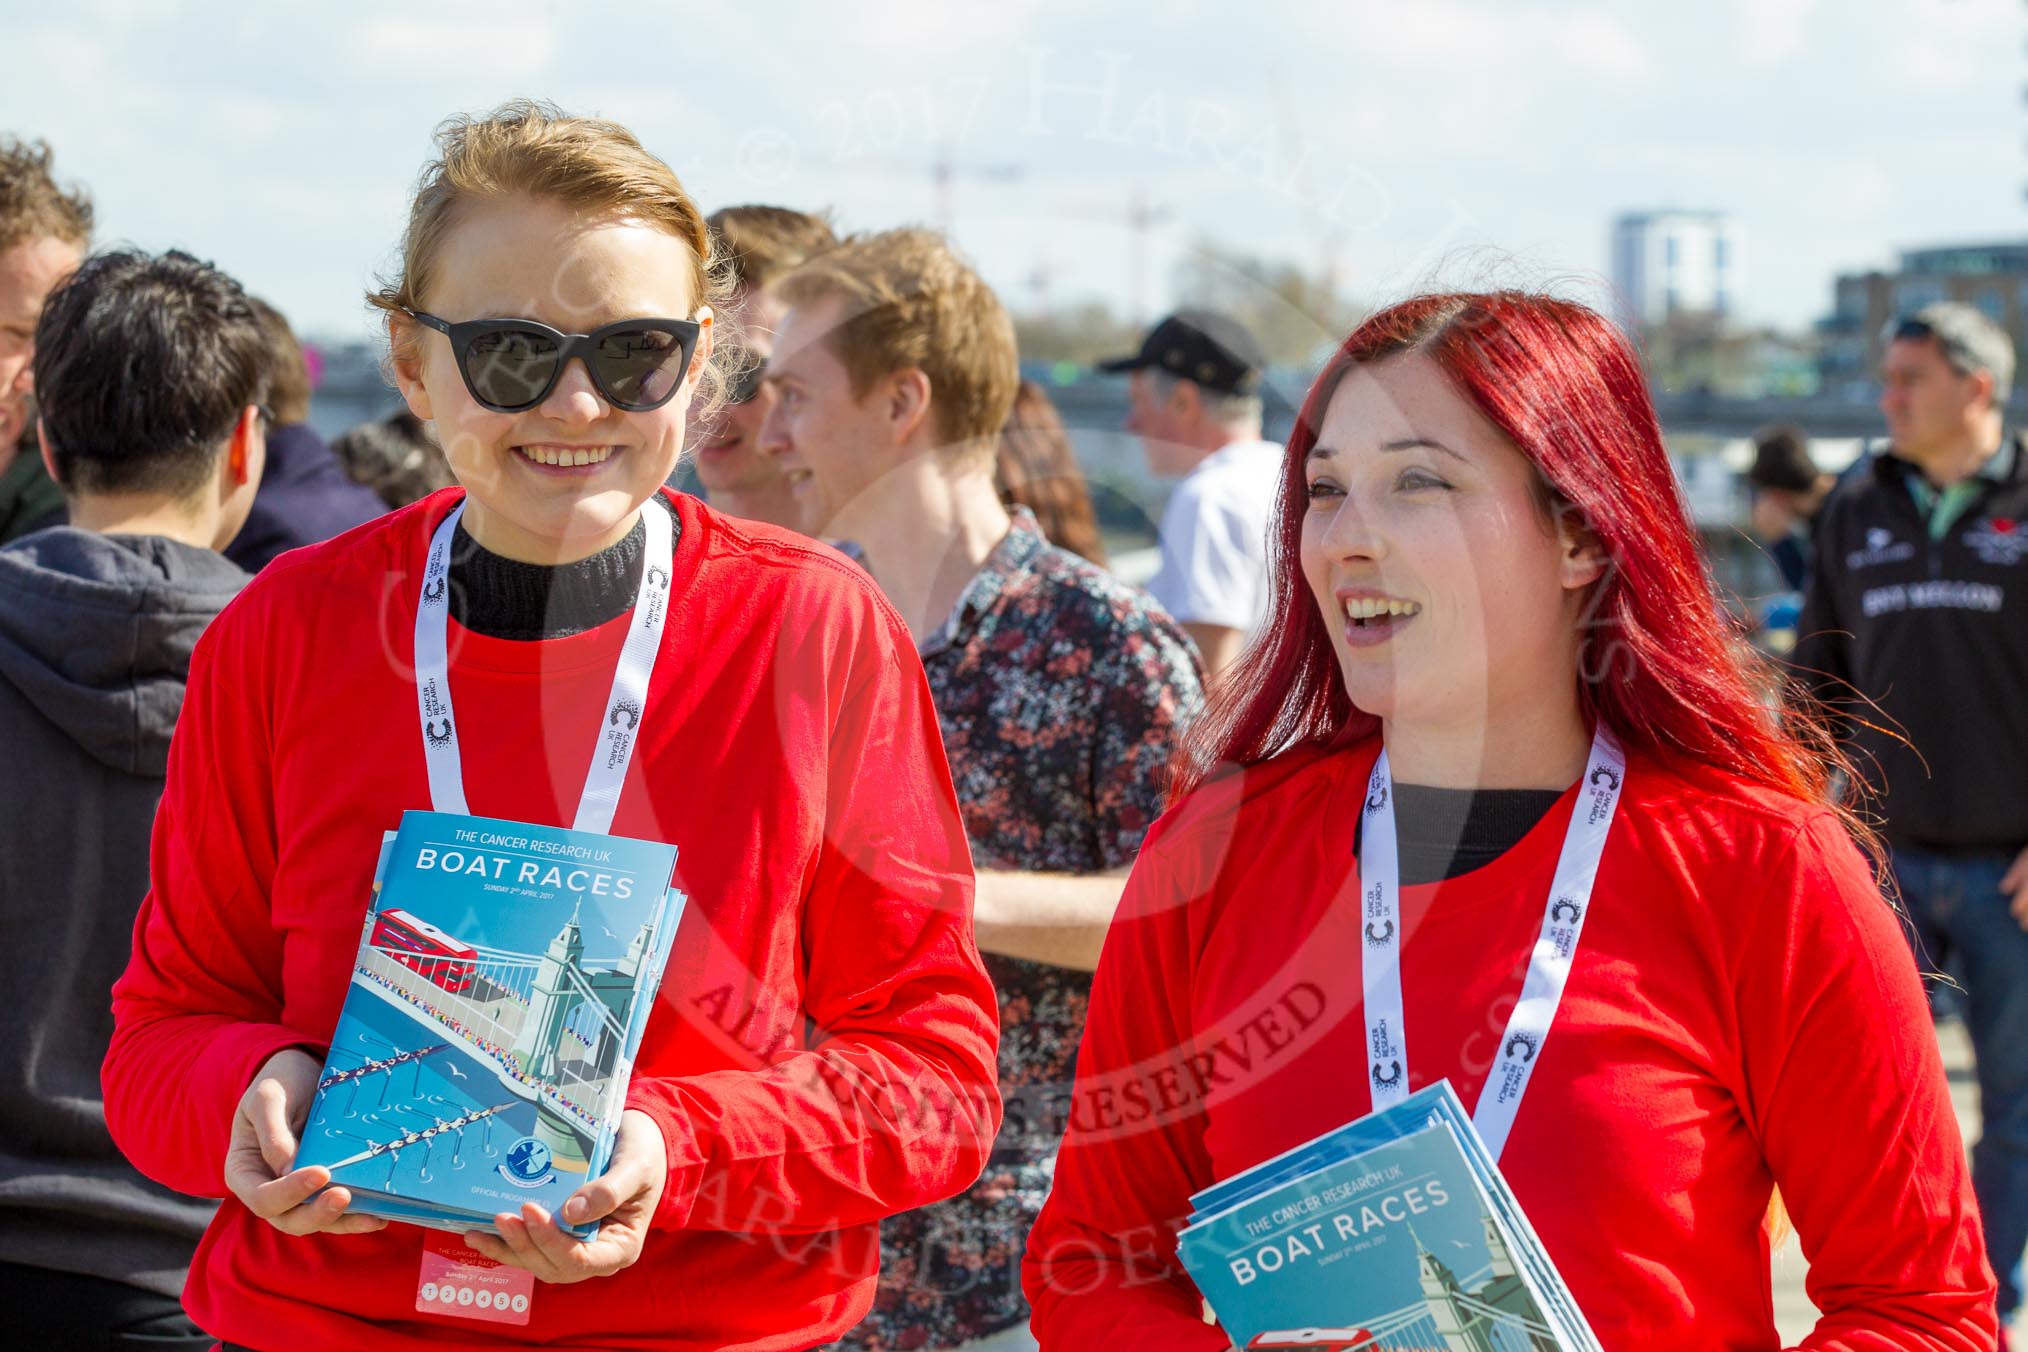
[1493, 799]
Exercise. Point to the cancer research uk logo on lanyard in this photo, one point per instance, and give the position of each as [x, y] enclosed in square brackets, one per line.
[1548, 966]
[455, 1279]
[624, 706]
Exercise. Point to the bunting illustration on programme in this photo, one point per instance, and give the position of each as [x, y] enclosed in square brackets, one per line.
[1395, 1249]
[505, 974]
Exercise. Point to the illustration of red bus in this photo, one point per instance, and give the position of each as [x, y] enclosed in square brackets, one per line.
[1315, 1340]
[422, 947]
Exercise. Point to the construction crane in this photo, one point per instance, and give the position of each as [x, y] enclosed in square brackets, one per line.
[944, 171]
[1141, 219]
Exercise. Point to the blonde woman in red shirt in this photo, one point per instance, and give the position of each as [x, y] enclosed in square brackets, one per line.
[822, 1052]
[1492, 626]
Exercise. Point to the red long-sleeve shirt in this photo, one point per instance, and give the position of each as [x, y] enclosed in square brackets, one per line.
[1743, 1013]
[822, 1054]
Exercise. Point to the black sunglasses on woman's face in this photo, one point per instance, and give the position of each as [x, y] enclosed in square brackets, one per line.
[511, 365]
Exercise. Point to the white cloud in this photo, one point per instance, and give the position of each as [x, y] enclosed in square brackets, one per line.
[239, 121]
[1951, 40]
[1600, 44]
[498, 41]
[1769, 33]
[61, 54]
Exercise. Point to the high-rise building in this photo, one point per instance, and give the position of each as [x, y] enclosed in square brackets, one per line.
[1668, 264]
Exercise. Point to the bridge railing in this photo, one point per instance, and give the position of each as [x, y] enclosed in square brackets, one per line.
[1414, 1329]
[489, 1027]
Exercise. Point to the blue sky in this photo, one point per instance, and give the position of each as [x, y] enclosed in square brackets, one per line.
[1397, 143]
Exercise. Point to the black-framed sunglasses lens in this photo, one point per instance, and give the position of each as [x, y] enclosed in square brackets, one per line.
[635, 368]
[511, 366]
[640, 366]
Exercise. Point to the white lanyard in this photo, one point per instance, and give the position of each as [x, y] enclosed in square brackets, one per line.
[623, 708]
[1548, 966]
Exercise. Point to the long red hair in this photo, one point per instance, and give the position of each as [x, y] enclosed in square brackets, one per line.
[1657, 663]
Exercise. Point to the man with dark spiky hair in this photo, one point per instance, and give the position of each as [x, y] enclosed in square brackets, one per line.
[150, 374]
[44, 231]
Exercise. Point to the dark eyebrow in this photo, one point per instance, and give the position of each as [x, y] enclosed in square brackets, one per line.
[1410, 443]
[1321, 452]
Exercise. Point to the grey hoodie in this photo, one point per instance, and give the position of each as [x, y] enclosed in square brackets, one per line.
[96, 633]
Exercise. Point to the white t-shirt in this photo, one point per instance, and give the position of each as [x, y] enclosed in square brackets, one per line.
[1214, 538]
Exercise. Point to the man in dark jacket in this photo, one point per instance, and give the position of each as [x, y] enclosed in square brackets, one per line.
[305, 494]
[1915, 628]
[97, 623]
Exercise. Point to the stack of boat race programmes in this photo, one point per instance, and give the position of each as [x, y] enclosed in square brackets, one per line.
[1394, 1232]
[504, 977]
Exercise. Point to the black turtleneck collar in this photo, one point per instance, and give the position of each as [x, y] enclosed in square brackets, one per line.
[1445, 833]
[505, 598]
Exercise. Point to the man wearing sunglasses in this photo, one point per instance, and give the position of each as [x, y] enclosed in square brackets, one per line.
[1914, 630]
[759, 244]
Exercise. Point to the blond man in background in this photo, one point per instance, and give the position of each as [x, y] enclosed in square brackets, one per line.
[759, 244]
[1060, 692]
[44, 232]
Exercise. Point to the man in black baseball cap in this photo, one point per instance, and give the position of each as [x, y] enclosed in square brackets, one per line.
[1208, 349]
[1194, 392]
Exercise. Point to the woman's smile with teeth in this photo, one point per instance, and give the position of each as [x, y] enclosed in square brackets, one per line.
[1362, 608]
[566, 455]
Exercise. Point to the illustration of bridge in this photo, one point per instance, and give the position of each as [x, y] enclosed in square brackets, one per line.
[551, 1025]
[1490, 1310]
[1416, 1328]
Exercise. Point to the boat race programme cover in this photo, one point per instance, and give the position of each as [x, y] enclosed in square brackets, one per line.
[504, 977]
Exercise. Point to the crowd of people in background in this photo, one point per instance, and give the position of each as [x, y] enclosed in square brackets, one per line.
[858, 415]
